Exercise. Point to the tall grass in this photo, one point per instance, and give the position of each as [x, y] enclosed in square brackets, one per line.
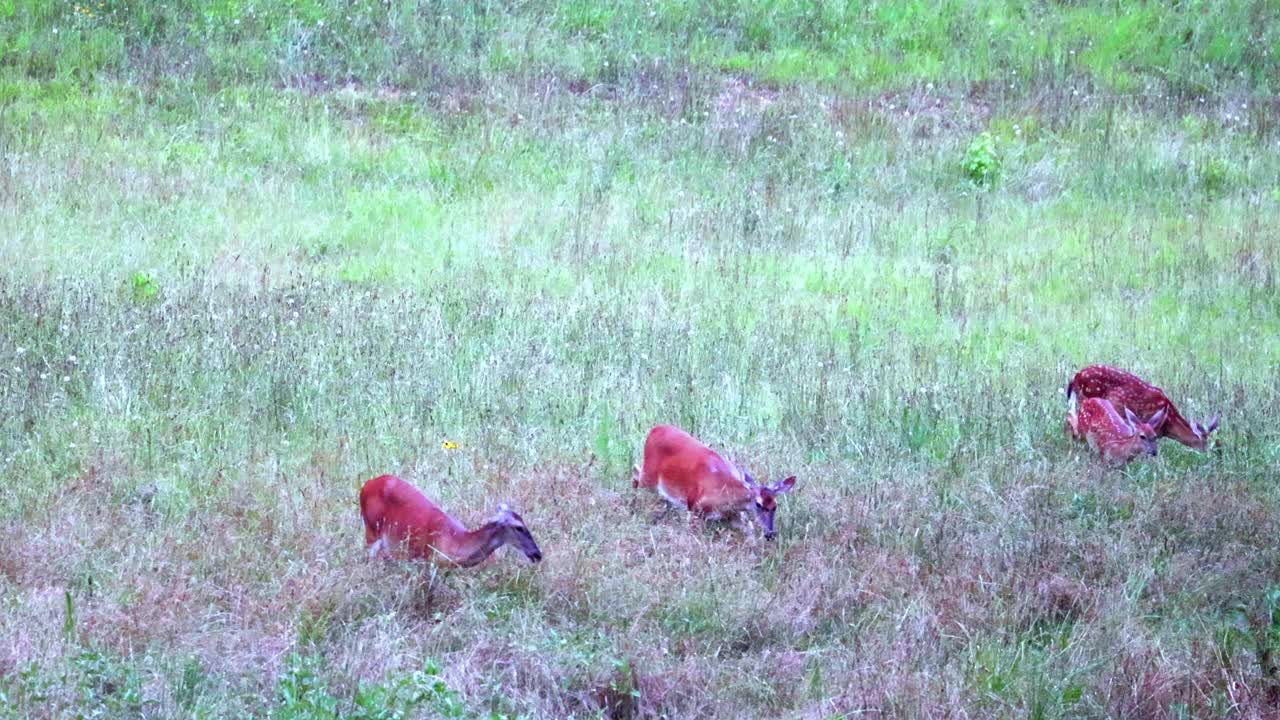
[1190, 49]
[246, 265]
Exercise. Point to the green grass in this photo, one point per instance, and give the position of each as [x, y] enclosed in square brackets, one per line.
[1190, 49]
[246, 266]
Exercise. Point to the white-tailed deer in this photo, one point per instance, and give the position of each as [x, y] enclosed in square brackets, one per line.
[689, 475]
[400, 521]
[1125, 390]
[1117, 440]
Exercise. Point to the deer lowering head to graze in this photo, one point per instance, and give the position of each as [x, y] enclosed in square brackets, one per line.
[688, 474]
[400, 521]
[1116, 439]
[1126, 390]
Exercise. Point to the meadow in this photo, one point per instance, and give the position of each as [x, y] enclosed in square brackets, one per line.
[253, 254]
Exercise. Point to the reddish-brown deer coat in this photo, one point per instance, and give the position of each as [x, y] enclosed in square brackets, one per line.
[400, 521]
[1123, 389]
[688, 474]
[1116, 439]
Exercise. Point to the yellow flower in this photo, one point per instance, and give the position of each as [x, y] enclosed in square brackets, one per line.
[449, 445]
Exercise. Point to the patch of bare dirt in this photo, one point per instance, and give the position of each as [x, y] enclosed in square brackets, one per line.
[318, 85]
[922, 112]
[737, 113]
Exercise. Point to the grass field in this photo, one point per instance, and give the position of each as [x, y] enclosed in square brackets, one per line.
[253, 254]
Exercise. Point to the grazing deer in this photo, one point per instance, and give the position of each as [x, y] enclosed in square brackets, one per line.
[690, 475]
[1126, 390]
[1116, 439]
[400, 521]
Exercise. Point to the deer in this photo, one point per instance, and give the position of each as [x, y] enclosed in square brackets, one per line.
[1126, 390]
[690, 475]
[399, 521]
[1117, 440]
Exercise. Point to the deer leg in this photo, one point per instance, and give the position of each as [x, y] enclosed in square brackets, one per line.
[1111, 458]
[1072, 427]
[698, 517]
[748, 528]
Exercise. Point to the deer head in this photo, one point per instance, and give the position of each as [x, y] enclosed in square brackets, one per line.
[1203, 431]
[766, 502]
[512, 530]
[1144, 433]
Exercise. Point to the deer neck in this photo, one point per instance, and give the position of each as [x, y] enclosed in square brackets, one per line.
[1120, 427]
[1177, 428]
[473, 546]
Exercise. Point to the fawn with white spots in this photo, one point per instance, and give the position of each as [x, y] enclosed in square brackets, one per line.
[1125, 390]
[1116, 439]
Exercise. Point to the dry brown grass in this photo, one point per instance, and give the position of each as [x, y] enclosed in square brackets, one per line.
[541, 264]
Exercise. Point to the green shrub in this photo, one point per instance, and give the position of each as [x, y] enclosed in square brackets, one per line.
[982, 161]
[143, 287]
[1214, 176]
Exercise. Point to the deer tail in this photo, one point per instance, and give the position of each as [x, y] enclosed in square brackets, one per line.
[1071, 389]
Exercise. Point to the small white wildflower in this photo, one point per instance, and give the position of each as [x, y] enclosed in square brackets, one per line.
[21, 349]
[71, 359]
[66, 378]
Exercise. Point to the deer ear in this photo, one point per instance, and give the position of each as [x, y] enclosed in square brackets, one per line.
[747, 476]
[1213, 425]
[1158, 417]
[785, 486]
[1130, 417]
